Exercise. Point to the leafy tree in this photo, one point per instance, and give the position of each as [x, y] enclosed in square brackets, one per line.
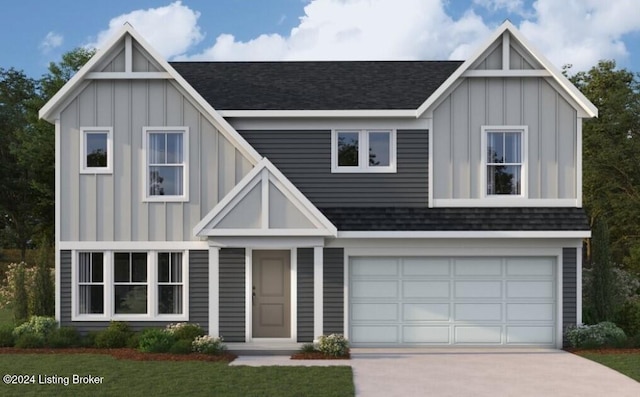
[44, 293]
[611, 143]
[21, 300]
[603, 282]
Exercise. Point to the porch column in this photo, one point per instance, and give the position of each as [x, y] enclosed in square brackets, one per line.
[318, 295]
[214, 290]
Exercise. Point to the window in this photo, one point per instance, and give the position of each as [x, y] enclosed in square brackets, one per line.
[170, 282]
[504, 158]
[96, 154]
[91, 283]
[130, 283]
[363, 151]
[166, 163]
[140, 286]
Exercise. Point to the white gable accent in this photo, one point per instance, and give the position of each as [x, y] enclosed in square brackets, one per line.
[265, 203]
[125, 39]
[502, 36]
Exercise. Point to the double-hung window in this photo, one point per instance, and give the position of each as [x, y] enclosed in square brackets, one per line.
[504, 158]
[130, 286]
[166, 163]
[170, 288]
[91, 283]
[363, 151]
[96, 150]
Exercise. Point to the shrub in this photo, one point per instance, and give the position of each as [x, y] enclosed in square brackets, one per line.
[208, 345]
[111, 338]
[181, 346]
[89, 340]
[629, 317]
[6, 336]
[333, 345]
[29, 341]
[185, 331]
[21, 300]
[64, 337]
[308, 348]
[153, 340]
[37, 325]
[44, 293]
[134, 340]
[120, 326]
[604, 334]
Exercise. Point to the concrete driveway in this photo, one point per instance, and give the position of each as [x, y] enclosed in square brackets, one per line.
[484, 372]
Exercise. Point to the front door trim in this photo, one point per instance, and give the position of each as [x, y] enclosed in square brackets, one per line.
[249, 295]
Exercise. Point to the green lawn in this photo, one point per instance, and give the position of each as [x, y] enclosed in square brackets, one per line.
[626, 363]
[191, 378]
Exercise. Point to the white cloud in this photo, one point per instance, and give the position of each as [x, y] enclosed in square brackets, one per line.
[171, 29]
[51, 40]
[511, 6]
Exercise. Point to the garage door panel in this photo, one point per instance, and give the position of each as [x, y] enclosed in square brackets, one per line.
[374, 311]
[375, 289]
[425, 334]
[374, 266]
[478, 289]
[479, 334]
[529, 335]
[478, 312]
[529, 289]
[530, 267]
[478, 267]
[425, 312]
[375, 334]
[530, 312]
[426, 267]
[425, 289]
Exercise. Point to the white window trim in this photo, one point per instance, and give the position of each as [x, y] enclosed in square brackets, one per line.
[145, 165]
[109, 295]
[524, 194]
[363, 155]
[84, 131]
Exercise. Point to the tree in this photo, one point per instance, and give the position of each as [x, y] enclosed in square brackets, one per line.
[21, 299]
[603, 283]
[611, 143]
[44, 293]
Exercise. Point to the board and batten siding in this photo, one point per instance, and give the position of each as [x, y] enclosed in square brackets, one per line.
[532, 102]
[569, 287]
[333, 291]
[232, 294]
[198, 296]
[305, 295]
[110, 207]
[304, 157]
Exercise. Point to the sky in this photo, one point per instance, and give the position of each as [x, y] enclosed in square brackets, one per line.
[576, 32]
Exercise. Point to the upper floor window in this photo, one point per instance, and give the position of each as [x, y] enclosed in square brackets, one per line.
[363, 151]
[504, 158]
[166, 168]
[96, 145]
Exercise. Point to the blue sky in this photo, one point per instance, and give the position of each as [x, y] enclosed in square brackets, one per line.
[579, 32]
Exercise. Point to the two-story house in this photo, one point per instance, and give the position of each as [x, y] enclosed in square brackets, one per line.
[398, 203]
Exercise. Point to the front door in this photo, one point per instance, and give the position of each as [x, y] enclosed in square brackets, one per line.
[271, 294]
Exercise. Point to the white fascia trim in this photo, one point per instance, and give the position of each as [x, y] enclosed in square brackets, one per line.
[57, 220]
[268, 242]
[266, 232]
[319, 113]
[128, 76]
[498, 234]
[47, 111]
[507, 26]
[133, 245]
[507, 73]
[496, 202]
[579, 162]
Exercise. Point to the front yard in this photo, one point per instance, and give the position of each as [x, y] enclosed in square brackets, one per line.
[624, 361]
[192, 378]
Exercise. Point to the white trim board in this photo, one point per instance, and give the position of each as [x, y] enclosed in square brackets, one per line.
[498, 234]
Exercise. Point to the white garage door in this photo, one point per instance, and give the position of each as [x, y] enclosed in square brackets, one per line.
[452, 301]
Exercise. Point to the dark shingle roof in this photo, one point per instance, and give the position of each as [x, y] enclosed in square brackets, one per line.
[316, 85]
[456, 219]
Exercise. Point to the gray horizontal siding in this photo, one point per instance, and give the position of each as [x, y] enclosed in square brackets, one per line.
[232, 294]
[198, 296]
[199, 288]
[305, 295]
[569, 287]
[305, 159]
[333, 290]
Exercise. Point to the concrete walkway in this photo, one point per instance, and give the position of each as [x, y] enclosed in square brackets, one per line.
[471, 372]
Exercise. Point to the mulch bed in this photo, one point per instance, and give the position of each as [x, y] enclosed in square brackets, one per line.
[125, 354]
[318, 356]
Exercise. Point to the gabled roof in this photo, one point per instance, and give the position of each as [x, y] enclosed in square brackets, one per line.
[350, 85]
[508, 28]
[127, 33]
[265, 203]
